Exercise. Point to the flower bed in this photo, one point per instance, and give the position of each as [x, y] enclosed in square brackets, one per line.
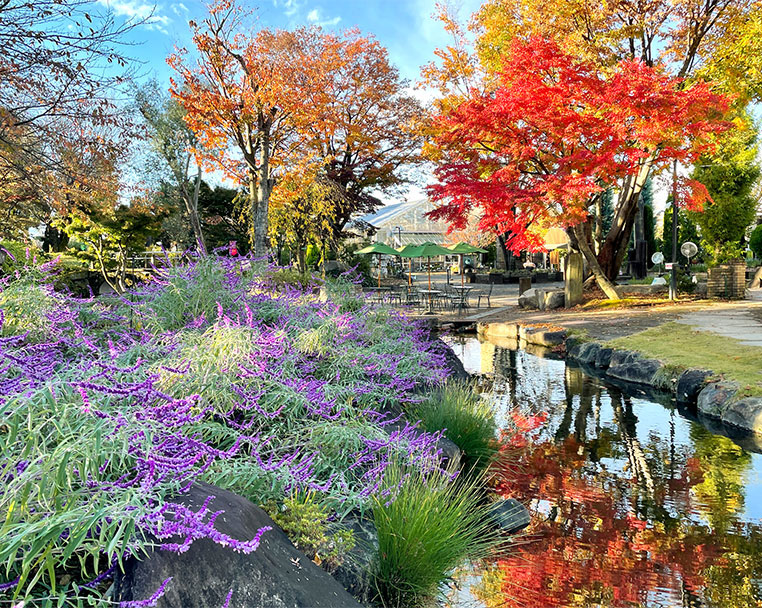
[215, 372]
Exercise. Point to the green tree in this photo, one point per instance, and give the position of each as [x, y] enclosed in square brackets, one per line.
[303, 215]
[223, 216]
[755, 241]
[729, 176]
[173, 144]
[112, 234]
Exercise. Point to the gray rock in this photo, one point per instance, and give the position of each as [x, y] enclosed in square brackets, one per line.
[714, 398]
[573, 346]
[450, 453]
[354, 571]
[546, 338]
[455, 367]
[622, 357]
[554, 299]
[588, 353]
[689, 385]
[640, 371]
[509, 515]
[276, 575]
[745, 414]
[603, 358]
[529, 300]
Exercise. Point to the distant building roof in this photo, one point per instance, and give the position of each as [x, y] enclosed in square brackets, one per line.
[409, 215]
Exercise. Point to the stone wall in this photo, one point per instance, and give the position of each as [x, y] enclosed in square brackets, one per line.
[727, 281]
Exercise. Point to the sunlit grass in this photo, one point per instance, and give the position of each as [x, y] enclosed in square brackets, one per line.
[682, 345]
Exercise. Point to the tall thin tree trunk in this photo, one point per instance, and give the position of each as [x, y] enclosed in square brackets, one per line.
[598, 223]
[263, 198]
[191, 206]
[253, 206]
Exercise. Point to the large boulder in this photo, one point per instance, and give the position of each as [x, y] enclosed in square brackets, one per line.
[622, 357]
[574, 346]
[689, 385]
[588, 353]
[745, 414]
[603, 358]
[554, 299]
[640, 371]
[714, 398]
[544, 337]
[529, 299]
[275, 575]
[354, 572]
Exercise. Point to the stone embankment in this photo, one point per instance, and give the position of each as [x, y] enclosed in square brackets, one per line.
[713, 398]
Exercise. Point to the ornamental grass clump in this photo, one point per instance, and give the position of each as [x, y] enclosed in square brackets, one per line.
[111, 408]
[428, 525]
[465, 418]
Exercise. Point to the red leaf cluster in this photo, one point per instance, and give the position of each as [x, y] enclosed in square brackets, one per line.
[555, 132]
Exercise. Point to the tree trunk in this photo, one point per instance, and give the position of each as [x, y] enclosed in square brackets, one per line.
[253, 205]
[264, 187]
[301, 253]
[598, 223]
[191, 207]
[579, 237]
[614, 248]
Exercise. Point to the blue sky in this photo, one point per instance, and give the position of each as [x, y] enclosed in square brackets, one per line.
[405, 27]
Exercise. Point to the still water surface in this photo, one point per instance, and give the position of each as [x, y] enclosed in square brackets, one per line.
[633, 504]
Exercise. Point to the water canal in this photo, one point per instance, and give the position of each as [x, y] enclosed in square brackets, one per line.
[634, 504]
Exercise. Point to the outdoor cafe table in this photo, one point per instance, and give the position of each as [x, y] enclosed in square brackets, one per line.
[378, 292]
[429, 293]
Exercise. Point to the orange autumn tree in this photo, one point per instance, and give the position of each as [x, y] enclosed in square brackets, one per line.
[368, 134]
[554, 133]
[245, 99]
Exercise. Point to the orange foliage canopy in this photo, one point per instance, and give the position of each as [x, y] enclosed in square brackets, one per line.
[303, 102]
[556, 132]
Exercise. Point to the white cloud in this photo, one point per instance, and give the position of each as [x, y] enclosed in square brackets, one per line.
[290, 7]
[136, 9]
[316, 17]
[179, 8]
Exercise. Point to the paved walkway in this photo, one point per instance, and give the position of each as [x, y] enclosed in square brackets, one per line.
[741, 321]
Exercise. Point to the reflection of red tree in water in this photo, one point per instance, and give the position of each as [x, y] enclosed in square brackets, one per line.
[587, 546]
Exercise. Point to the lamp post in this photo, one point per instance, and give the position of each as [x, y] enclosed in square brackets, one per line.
[673, 270]
[399, 244]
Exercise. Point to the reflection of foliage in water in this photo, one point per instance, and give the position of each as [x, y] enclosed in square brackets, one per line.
[622, 519]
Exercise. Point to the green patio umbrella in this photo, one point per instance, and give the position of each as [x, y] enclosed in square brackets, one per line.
[431, 250]
[378, 249]
[460, 249]
[409, 251]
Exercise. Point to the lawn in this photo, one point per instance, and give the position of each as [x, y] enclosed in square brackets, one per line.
[682, 345]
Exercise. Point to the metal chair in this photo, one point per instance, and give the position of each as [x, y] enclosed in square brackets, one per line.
[485, 295]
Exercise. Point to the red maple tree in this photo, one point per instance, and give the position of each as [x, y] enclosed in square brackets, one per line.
[555, 133]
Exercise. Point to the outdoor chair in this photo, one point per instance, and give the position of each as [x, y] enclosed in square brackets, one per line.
[486, 295]
[395, 295]
[412, 298]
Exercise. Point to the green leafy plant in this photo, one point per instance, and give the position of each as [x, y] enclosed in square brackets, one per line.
[466, 419]
[427, 526]
[305, 522]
